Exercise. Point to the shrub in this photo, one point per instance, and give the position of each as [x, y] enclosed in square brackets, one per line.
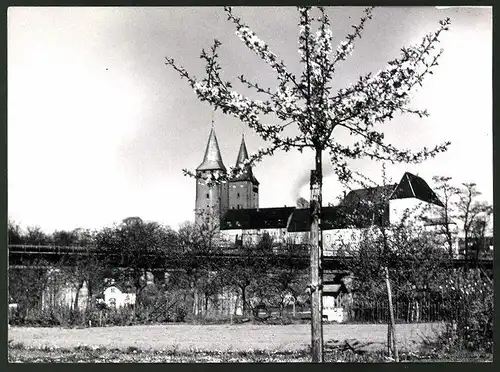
[469, 299]
[180, 313]
[121, 316]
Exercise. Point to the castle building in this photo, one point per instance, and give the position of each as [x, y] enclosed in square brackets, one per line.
[233, 206]
[242, 192]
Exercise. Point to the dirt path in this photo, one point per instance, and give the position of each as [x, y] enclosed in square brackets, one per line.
[220, 337]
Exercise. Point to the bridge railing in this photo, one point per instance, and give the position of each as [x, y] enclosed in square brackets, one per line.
[48, 249]
[225, 253]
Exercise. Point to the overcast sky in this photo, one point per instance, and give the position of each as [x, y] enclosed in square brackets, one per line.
[99, 127]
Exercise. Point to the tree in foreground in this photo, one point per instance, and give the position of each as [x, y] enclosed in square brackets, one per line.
[310, 110]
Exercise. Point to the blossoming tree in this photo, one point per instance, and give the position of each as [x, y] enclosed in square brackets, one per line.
[308, 104]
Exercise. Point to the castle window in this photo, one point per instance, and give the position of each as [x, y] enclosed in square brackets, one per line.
[208, 196]
[238, 195]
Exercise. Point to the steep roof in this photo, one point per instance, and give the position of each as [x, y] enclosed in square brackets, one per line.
[371, 194]
[339, 217]
[360, 208]
[412, 186]
[262, 218]
[243, 153]
[212, 159]
[122, 288]
[247, 174]
[295, 220]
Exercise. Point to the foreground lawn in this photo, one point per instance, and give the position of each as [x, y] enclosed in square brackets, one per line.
[18, 353]
[221, 338]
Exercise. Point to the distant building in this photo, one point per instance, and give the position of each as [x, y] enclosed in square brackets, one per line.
[234, 206]
[240, 193]
[115, 296]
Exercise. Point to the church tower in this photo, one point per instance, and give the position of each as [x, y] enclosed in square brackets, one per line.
[244, 190]
[211, 202]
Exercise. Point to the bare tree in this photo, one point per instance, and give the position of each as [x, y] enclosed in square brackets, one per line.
[478, 232]
[469, 212]
[288, 277]
[15, 234]
[140, 244]
[64, 238]
[36, 236]
[447, 193]
[307, 102]
[197, 246]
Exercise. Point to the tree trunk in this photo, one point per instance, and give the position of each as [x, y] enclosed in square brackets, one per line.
[77, 295]
[206, 304]
[480, 245]
[466, 255]
[389, 341]
[137, 283]
[236, 302]
[316, 254]
[89, 295]
[448, 235]
[243, 300]
[195, 302]
[391, 314]
[230, 307]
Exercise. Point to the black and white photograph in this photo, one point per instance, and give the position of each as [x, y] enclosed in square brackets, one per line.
[250, 184]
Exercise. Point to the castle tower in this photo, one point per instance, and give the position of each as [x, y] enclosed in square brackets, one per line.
[211, 202]
[244, 190]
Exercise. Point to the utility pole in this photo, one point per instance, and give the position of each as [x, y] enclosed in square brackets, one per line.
[316, 255]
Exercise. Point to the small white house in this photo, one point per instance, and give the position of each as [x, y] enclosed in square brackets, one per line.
[334, 298]
[115, 296]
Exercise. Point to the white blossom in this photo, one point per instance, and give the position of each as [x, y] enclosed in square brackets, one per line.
[308, 102]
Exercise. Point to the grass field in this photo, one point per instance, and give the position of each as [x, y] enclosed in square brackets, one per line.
[185, 337]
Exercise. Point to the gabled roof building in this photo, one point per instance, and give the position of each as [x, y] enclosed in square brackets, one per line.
[234, 205]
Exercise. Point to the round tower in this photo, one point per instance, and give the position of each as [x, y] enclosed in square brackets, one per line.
[211, 202]
[244, 189]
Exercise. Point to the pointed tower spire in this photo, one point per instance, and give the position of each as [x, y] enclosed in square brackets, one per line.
[212, 159]
[247, 169]
[243, 154]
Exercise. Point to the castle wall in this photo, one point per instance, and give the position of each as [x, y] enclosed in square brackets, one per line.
[224, 198]
[210, 201]
[242, 196]
[255, 196]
